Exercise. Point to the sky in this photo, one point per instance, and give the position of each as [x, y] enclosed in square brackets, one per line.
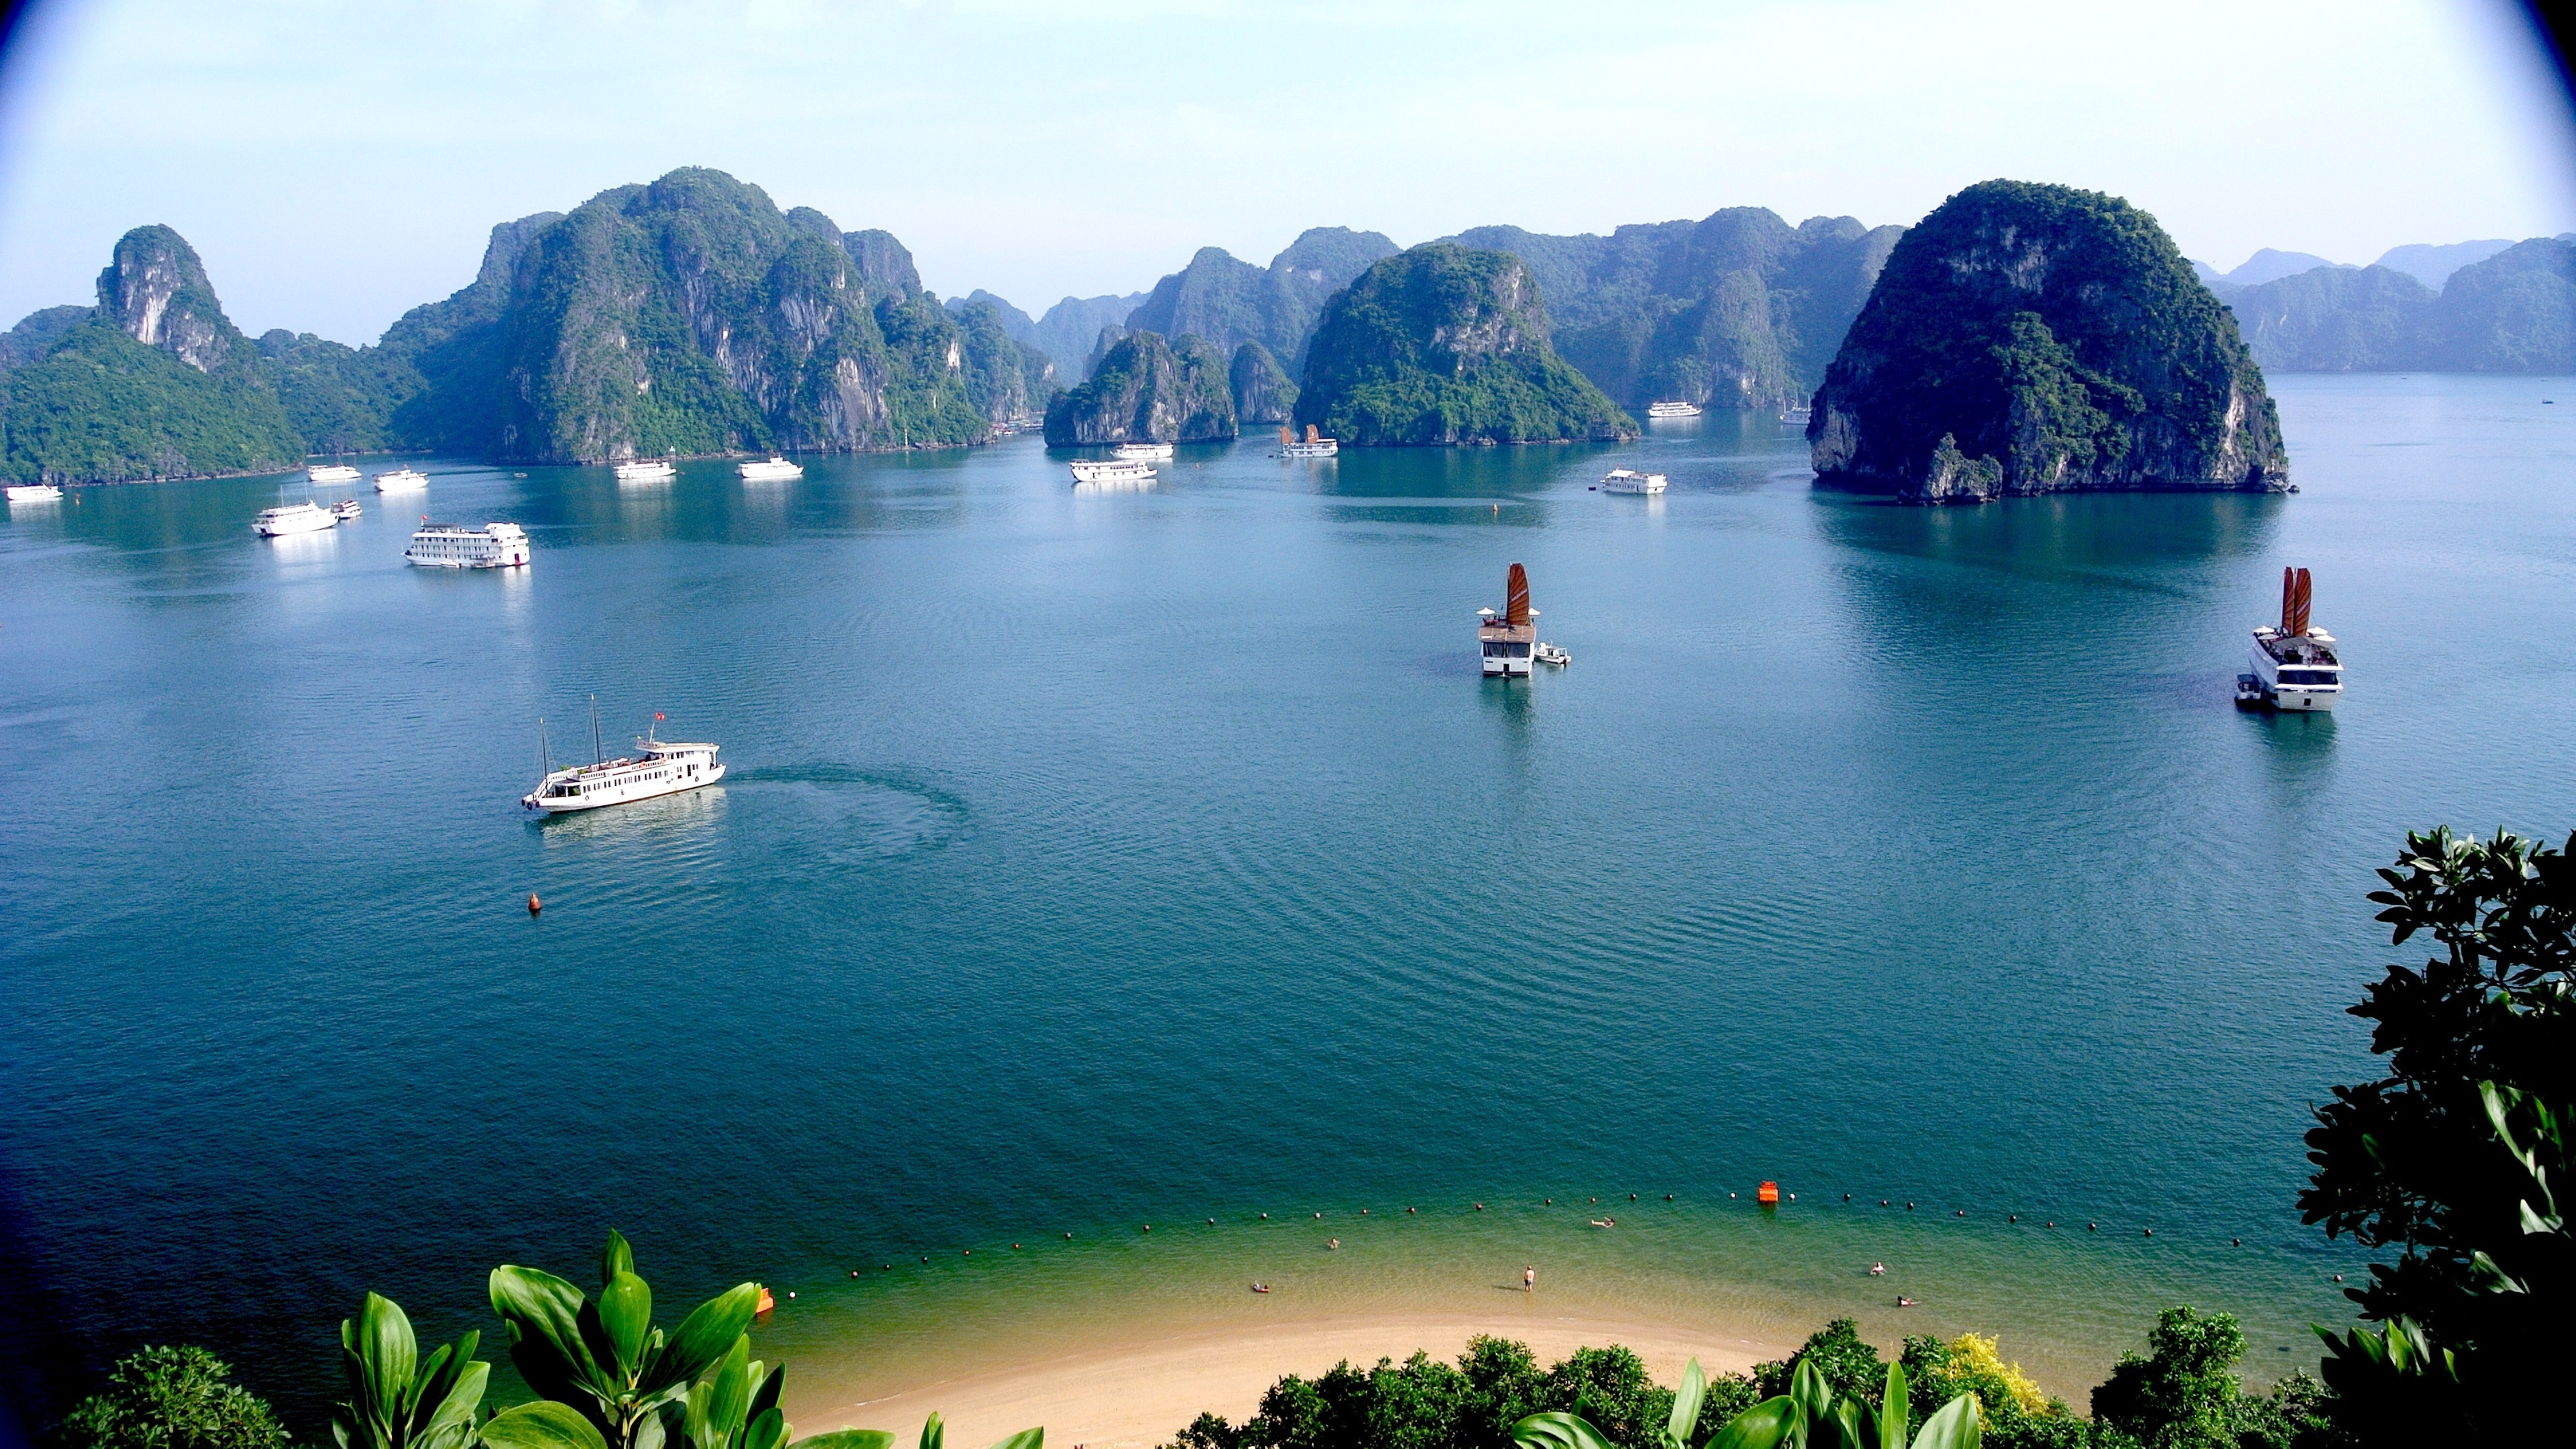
[338, 164]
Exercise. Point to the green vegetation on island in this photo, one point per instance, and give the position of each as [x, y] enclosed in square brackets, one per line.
[1147, 390]
[2512, 311]
[1441, 346]
[2031, 339]
[1262, 391]
[1232, 302]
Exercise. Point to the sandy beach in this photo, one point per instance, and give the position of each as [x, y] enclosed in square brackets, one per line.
[1139, 1394]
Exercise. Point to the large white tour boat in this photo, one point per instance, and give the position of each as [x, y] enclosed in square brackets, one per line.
[1672, 410]
[2295, 665]
[646, 470]
[34, 493]
[1313, 445]
[286, 518]
[1507, 639]
[331, 473]
[1142, 452]
[773, 470]
[401, 480]
[656, 768]
[1111, 473]
[454, 546]
[1629, 480]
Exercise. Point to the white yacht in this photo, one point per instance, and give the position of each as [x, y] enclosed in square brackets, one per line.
[1508, 638]
[775, 470]
[331, 473]
[1672, 410]
[647, 470]
[346, 510]
[1797, 414]
[2295, 664]
[453, 546]
[401, 480]
[656, 768]
[34, 493]
[1142, 452]
[1313, 445]
[286, 518]
[1629, 480]
[1111, 473]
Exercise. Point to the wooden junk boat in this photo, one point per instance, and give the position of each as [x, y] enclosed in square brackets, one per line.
[2296, 666]
[1508, 640]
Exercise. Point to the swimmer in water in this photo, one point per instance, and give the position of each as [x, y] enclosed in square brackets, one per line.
[1904, 1302]
[1876, 1269]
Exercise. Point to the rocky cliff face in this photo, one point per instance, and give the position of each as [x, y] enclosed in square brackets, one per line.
[1738, 310]
[1147, 390]
[2514, 310]
[1444, 345]
[155, 291]
[1262, 391]
[1232, 302]
[2032, 339]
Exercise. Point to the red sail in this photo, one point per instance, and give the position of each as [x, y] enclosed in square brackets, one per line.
[1516, 609]
[2299, 604]
[2289, 595]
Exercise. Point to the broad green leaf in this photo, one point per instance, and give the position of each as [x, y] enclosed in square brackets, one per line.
[933, 1432]
[1815, 1397]
[766, 1383]
[626, 1314]
[767, 1430]
[1766, 1425]
[696, 1416]
[1954, 1426]
[1855, 1426]
[544, 1315]
[451, 1420]
[615, 1258]
[703, 1337]
[544, 1424]
[1686, 1402]
[1896, 1409]
[1557, 1429]
[848, 1439]
[732, 1401]
[1025, 1439]
[390, 1354]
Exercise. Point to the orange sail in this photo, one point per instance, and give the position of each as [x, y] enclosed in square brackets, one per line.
[2301, 597]
[1311, 435]
[1286, 436]
[1516, 609]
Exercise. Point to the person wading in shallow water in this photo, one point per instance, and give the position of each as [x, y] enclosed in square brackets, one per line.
[1529, 1280]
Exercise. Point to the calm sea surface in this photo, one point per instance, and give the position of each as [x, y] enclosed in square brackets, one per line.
[1090, 861]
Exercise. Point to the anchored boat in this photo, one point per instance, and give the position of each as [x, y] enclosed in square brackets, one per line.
[1111, 473]
[1629, 480]
[2295, 664]
[774, 470]
[1508, 639]
[401, 480]
[286, 518]
[331, 473]
[646, 470]
[34, 493]
[453, 546]
[658, 767]
[1672, 410]
[1141, 452]
[1313, 445]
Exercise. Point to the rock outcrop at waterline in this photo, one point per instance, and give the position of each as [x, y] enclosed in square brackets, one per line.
[1146, 390]
[2034, 339]
[1441, 346]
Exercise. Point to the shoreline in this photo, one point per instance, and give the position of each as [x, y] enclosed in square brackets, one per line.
[1141, 1392]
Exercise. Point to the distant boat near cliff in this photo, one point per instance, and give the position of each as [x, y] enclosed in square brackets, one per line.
[401, 480]
[1313, 445]
[2295, 664]
[774, 469]
[1142, 452]
[646, 470]
[1112, 473]
[1672, 410]
[331, 473]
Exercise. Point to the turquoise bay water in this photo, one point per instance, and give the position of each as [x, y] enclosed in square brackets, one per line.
[1090, 861]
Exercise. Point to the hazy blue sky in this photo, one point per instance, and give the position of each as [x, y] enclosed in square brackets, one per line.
[338, 163]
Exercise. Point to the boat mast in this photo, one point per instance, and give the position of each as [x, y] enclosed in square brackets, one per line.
[545, 757]
[596, 753]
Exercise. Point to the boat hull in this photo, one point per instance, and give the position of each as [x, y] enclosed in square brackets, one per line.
[623, 795]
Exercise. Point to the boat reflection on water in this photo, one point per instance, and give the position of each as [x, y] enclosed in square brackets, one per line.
[660, 820]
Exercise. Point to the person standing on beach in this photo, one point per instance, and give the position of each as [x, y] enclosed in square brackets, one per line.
[1529, 1280]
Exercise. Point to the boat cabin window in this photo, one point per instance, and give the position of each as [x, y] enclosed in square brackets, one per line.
[2309, 676]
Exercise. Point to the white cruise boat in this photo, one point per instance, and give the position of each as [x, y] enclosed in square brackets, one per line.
[346, 510]
[656, 768]
[647, 470]
[286, 518]
[1142, 452]
[34, 493]
[1508, 639]
[1797, 414]
[2295, 664]
[774, 470]
[1672, 410]
[1629, 480]
[454, 546]
[401, 480]
[331, 473]
[1313, 445]
[1111, 473]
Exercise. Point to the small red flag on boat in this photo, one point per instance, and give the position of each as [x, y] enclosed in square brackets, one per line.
[657, 714]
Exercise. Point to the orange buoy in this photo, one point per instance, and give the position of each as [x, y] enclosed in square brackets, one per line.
[534, 905]
[767, 1303]
[1768, 1193]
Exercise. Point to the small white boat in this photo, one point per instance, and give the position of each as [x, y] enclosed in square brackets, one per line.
[305, 517]
[646, 470]
[345, 510]
[1547, 653]
[1797, 415]
[1313, 445]
[1629, 480]
[453, 546]
[2296, 666]
[401, 480]
[1672, 410]
[34, 493]
[1111, 473]
[1142, 452]
[331, 473]
[774, 470]
[656, 768]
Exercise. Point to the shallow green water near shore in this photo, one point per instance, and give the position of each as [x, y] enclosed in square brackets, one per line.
[1152, 857]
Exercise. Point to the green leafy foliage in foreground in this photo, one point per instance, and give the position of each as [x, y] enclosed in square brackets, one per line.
[175, 1397]
[101, 406]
